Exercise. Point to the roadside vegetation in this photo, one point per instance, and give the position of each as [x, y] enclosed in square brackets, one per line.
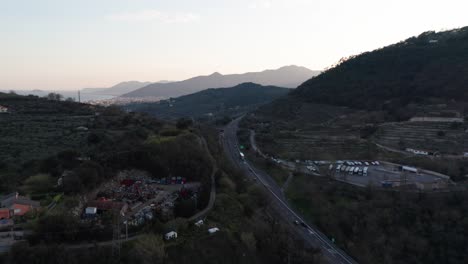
[385, 226]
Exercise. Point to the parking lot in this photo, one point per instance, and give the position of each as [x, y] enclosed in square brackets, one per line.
[388, 175]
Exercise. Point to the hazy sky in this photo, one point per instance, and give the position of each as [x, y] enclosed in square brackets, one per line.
[64, 44]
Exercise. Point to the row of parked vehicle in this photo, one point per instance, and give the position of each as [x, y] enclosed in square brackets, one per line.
[358, 163]
[355, 167]
[352, 170]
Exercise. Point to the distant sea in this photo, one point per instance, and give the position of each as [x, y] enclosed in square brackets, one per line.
[85, 97]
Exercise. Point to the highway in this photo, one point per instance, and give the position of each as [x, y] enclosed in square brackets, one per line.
[310, 234]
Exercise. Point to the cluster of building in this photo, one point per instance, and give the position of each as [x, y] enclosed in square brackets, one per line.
[137, 198]
[13, 205]
[126, 100]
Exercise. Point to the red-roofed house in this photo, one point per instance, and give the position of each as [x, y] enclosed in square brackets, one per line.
[21, 209]
[5, 213]
[19, 205]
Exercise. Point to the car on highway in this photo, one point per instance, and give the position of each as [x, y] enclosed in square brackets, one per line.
[304, 224]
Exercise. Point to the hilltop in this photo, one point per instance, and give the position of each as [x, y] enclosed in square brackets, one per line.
[213, 102]
[289, 77]
[432, 67]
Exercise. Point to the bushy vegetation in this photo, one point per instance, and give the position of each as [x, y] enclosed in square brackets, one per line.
[88, 144]
[386, 227]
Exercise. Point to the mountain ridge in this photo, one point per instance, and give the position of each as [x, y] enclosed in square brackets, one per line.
[287, 76]
[117, 89]
[213, 101]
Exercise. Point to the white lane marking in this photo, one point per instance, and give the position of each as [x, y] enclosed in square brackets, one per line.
[294, 213]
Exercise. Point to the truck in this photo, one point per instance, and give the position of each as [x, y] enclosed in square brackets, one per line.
[365, 171]
[409, 169]
[241, 156]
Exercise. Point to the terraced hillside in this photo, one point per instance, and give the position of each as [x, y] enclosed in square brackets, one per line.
[317, 143]
[23, 137]
[430, 136]
[35, 128]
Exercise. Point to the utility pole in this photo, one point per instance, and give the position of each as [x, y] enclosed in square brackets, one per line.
[116, 244]
[79, 96]
[126, 229]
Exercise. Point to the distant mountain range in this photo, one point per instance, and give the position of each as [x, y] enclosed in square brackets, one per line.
[288, 76]
[118, 89]
[213, 102]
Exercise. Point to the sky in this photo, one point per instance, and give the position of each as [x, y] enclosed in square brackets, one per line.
[65, 45]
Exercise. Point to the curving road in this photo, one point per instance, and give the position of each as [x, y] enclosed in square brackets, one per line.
[310, 234]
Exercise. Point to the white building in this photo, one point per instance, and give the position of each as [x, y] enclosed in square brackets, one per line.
[3, 109]
[170, 235]
[213, 230]
[199, 223]
[90, 210]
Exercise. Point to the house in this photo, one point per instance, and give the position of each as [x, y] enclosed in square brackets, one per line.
[170, 235]
[199, 223]
[213, 230]
[6, 200]
[5, 213]
[90, 211]
[3, 109]
[20, 205]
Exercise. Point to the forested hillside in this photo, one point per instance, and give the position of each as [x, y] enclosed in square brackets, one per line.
[213, 102]
[429, 66]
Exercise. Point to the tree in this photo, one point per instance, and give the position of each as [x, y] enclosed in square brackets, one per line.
[150, 249]
[249, 240]
[184, 123]
[39, 183]
[54, 96]
[185, 207]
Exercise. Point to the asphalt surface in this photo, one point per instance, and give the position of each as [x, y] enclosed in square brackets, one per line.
[311, 235]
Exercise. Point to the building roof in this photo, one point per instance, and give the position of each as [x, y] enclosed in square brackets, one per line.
[6, 200]
[26, 201]
[106, 205]
[4, 213]
[21, 209]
